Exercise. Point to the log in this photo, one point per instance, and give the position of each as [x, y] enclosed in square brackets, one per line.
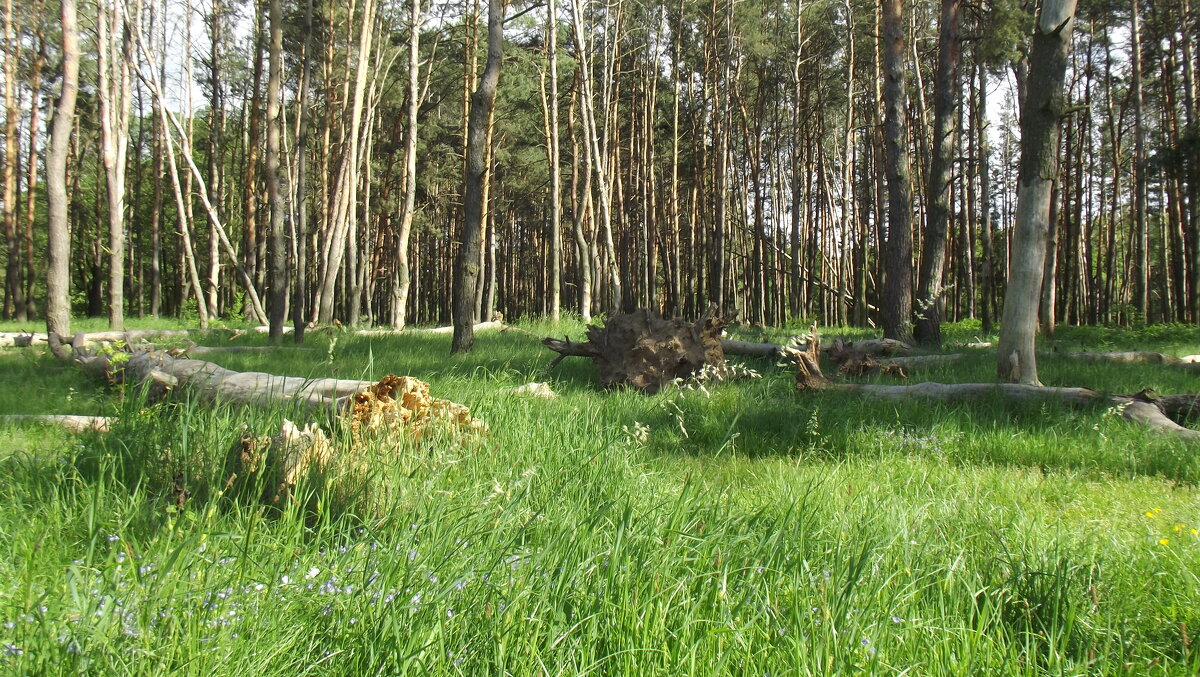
[1189, 362]
[837, 352]
[1163, 414]
[26, 339]
[482, 326]
[646, 351]
[392, 402]
[71, 423]
[949, 392]
[765, 350]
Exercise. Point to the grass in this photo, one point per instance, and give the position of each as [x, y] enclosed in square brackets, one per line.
[744, 529]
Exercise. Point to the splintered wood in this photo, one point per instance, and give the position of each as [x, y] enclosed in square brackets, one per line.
[286, 458]
[403, 405]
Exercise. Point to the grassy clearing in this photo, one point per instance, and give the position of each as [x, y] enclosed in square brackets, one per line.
[745, 529]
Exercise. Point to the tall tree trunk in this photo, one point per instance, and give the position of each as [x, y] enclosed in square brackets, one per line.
[114, 100]
[13, 292]
[897, 292]
[580, 196]
[466, 268]
[35, 87]
[346, 198]
[555, 282]
[278, 245]
[987, 268]
[58, 268]
[1040, 114]
[216, 125]
[403, 279]
[300, 293]
[253, 138]
[1141, 269]
[927, 329]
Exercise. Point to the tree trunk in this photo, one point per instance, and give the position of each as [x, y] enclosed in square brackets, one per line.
[927, 329]
[466, 269]
[14, 302]
[278, 245]
[897, 293]
[300, 293]
[555, 282]
[253, 138]
[1141, 267]
[1016, 359]
[403, 279]
[58, 272]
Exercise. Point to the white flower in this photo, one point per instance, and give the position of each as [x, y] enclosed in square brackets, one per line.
[312, 573]
[285, 580]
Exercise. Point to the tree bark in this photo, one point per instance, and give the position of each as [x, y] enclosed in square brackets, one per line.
[466, 268]
[927, 329]
[897, 292]
[1016, 356]
[403, 279]
[278, 245]
[114, 100]
[58, 269]
[555, 282]
[14, 301]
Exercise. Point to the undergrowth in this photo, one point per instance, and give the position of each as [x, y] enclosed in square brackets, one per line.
[735, 528]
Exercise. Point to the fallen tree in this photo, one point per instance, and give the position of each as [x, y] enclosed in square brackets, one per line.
[71, 423]
[393, 409]
[26, 339]
[1162, 413]
[646, 351]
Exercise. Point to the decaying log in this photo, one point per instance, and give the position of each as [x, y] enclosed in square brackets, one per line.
[753, 349]
[482, 326]
[838, 351]
[26, 339]
[75, 424]
[644, 350]
[949, 392]
[1191, 362]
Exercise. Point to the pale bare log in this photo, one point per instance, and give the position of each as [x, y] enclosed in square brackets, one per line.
[74, 424]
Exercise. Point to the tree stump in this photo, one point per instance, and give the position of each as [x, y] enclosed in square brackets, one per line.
[646, 351]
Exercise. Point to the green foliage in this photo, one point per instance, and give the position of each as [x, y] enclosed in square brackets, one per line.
[738, 528]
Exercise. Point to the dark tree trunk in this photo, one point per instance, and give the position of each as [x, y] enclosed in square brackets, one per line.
[927, 328]
[278, 245]
[466, 269]
[897, 292]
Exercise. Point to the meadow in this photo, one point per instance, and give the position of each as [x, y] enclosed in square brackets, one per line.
[740, 528]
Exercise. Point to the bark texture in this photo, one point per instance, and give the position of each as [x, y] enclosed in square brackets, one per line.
[1016, 360]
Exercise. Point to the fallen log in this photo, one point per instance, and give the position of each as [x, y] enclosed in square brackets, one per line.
[838, 351]
[644, 350]
[1165, 414]
[482, 326]
[1135, 357]
[71, 423]
[26, 339]
[753, 349]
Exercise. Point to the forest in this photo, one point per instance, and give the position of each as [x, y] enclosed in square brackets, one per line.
[664, 156]
[730, 200]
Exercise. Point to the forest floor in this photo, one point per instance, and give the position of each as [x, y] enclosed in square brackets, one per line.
[743, 528]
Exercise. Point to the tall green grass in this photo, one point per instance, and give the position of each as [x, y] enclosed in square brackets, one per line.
[740, 529]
